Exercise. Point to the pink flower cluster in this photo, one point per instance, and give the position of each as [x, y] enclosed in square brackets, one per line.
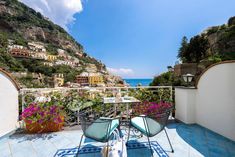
[42, 112]
[158, 108]
[152, 108]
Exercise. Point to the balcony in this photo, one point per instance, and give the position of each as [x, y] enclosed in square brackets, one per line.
[188, 140]
[201, 124]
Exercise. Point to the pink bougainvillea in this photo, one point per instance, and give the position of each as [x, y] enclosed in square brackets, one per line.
[158, 108]
[42, 112]
[152, 108]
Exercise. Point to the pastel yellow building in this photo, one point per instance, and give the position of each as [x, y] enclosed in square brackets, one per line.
[94, 80]
[51, 57]
[58, 80]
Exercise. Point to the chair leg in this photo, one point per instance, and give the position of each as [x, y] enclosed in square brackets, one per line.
[80, 143]
[129, 131]
[119, 130]
[172, 150]
[151, 151]
[107, 151]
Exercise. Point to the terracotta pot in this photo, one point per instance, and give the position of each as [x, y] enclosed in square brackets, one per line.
[49, 126]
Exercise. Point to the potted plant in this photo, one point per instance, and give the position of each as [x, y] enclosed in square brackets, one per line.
[42, 117]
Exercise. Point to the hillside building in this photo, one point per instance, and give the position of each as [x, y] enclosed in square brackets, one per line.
[38, 55]
[51, 58]
[82, 80]
[22, 53]
[36, 46]
[49, 64]
[96, 80]
[58, 80]
[91, 68]
[61, 62]
[62, 53]
[80, 54]
[13, 46]
[92, 79]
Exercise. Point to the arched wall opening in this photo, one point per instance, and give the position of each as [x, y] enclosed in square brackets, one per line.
[9, 106]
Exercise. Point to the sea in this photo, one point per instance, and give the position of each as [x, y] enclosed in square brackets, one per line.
[135, 82]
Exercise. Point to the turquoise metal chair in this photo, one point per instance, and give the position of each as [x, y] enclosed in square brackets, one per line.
[151, 125]
[97, 128]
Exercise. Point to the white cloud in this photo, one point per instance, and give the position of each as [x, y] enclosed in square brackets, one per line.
[123, 72]
[59, 11]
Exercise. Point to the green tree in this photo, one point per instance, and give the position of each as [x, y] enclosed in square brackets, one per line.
[19, 40]
[183, 49]
[231, 21]
[197, 48]
[166, 79]
[37, 66]
[69, 73]
[52, 49]
[8, 62]
[3, 40]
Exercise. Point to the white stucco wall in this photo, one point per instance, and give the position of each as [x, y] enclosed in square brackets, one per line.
[212, 104]
[185, 104]
[8, 105]
[215, 100]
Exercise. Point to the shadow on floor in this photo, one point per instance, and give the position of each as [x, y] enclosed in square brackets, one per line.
[21, 136]
[205, 141]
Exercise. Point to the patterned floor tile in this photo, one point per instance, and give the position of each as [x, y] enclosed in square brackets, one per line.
[187, 140]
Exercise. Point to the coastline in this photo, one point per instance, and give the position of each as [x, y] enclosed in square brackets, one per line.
[133, 82]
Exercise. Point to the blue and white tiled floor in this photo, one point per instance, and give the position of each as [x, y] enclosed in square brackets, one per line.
[187, 140]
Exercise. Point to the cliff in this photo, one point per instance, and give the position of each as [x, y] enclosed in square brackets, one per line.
[30, 43]
[222, 40]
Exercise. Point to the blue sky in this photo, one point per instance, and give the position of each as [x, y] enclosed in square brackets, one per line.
[137, 38]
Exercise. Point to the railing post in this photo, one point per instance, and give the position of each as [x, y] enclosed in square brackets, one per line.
[171, 97]
[22, 100]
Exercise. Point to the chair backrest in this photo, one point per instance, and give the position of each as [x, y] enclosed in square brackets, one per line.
[161, 118]
[96, 126]
[154, 124]
[151, 119]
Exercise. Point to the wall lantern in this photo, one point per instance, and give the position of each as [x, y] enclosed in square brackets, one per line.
[188, 78]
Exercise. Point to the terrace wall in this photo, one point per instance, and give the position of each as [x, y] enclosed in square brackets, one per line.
[8, 103]
[212, 103]
[215, 101]
[185, 68]
[185, 104]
